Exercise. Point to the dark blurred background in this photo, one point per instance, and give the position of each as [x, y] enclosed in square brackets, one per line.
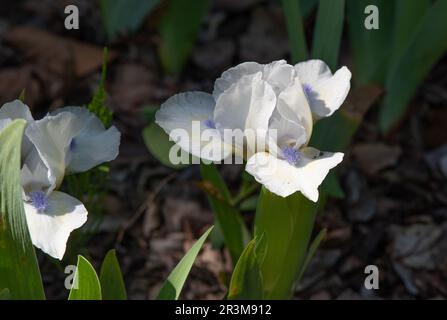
[393, 214]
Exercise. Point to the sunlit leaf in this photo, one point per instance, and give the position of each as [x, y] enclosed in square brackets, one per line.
[111, 278]
[19, 270]
[86, 285]
[173, 286]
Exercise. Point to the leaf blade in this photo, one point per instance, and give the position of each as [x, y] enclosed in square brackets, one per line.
[86, 285]
[111, 278]
[233, 229]
[297, 39]
[19, 270]
[124, 15]
[287, 238]
[328, 31]
[246, 280]
[158, 143]
[425, 48]
[176, 279]
[178, 31]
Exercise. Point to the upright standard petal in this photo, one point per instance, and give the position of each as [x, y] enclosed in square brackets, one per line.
[50, 225]
[294, 106]
[288, 133]
[278, 74]
[283, 178]
[93, 144]
[36, 176]
[312, 70]
[233, 75]
[325, 92]
[247, 105]
[52, 137]
[192, 114]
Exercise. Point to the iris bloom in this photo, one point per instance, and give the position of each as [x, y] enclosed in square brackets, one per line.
[277, 96]
[71, 139]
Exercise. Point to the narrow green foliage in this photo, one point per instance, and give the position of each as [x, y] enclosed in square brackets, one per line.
[371, 48]
[407, 16]
[228, 217]
[178, 31]
[22, 95]
[328, 31]
[311, 252]
[86, 285]
[295, 29]
[97, 105]
[174, 284]
[19, 271]
[90, 187]
[111, 278]
[246, 281]
[307, 6]
[427, 45]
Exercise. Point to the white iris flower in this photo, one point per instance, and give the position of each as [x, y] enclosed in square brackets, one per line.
[71, 139]
[275, 96]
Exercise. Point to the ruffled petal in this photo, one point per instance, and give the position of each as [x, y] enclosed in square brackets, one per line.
[313, 168]
[233, 75]
[326, 92]
[247, 105]
[52, 137]
[279, 74]
[16, 110]
[93, 144]
[283, 178]
[312, 70]
[277, 175]
[50, 229]
[327, 95]
[294, 106]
